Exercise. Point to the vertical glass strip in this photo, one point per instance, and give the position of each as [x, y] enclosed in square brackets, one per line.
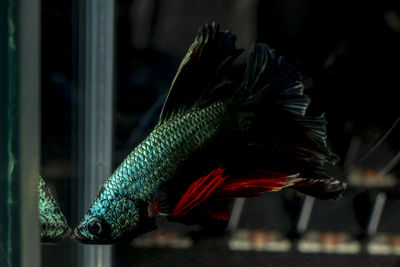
[12, 147]
[98, 119]
[19, 139]
[29, 125]
[4, 133]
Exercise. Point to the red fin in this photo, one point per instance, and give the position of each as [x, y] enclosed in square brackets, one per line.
[215, 187]
[159, 209]
[217, 210]
[199, 191]
[254, 184]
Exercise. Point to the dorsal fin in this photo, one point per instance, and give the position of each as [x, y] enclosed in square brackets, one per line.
[200, 79]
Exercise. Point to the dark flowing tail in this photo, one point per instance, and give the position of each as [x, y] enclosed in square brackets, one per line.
[278, 146]
[279, 135]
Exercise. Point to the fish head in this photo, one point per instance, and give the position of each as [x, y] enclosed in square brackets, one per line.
[111, 218]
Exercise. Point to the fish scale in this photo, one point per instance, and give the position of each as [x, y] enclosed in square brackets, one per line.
[175, 140]
[265, 107]
[146, 168]
[53, 224]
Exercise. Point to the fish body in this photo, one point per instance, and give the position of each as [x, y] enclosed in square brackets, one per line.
[156, 161]
[53, 224]
[218, 138]
[146, 167]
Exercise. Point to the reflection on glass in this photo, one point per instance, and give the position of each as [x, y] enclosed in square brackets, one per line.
[53, 224]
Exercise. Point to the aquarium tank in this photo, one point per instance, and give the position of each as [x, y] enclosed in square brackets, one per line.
[108, 157]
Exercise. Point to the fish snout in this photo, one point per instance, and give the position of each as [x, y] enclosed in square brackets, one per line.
[77, 235]
[67, 233]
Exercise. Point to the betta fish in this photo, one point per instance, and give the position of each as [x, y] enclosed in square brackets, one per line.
[53, 224]
[223, 133]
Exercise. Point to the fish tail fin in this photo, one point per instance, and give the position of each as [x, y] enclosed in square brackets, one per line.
[279, 135]
[272, 91]
[327, 188]
[269, 79]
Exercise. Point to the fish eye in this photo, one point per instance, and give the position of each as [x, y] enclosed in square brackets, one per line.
[96, 227]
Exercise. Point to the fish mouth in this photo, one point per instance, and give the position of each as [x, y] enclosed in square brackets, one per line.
[79, 237]
[83, 239]
[66, 234]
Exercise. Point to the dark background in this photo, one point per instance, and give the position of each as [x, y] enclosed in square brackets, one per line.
[347, 51]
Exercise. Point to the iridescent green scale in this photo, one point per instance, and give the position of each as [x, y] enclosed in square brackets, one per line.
[53, 224]
[157, 158]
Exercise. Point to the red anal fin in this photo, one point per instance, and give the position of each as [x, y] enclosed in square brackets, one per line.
[254, 184]
[217, 210]
[216, 187]
[198, 192]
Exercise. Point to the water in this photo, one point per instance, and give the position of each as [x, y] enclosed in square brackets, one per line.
[111, 79]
